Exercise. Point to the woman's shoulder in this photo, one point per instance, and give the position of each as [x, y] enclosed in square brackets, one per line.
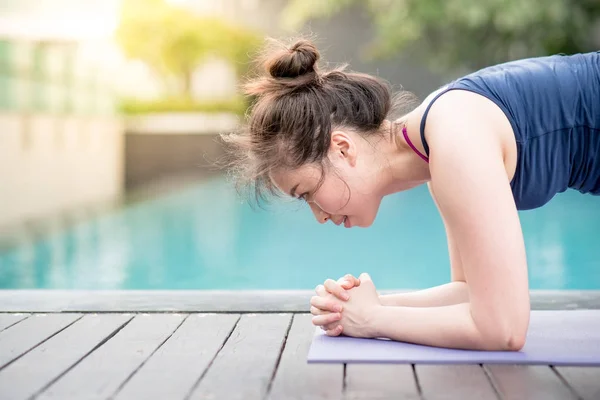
[450, 103]
[414, 121]
[445, 108]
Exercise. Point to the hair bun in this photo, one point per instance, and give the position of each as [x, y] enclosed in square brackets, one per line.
[297, 60]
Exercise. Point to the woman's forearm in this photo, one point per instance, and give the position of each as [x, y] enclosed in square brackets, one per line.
[447, 326]
[443, 295]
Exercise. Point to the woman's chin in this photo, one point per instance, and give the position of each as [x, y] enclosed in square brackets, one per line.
[361, 223]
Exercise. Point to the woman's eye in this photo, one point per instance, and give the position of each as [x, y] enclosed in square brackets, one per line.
[303, 196]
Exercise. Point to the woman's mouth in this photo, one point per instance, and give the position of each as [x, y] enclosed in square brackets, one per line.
[346, 221]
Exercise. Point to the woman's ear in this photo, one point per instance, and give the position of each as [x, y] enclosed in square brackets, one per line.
[343, 146]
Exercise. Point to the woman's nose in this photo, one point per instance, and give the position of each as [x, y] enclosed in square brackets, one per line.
[320, 215]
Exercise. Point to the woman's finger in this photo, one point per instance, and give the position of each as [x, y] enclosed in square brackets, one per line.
[336, 289]
[352, 281]
[326, 319]
[320, 290]
[325, 304]
[330, 327]
[317, 311]
[335, 331]
[345, 283]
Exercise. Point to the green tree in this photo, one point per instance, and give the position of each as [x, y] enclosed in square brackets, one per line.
[469, 34]
[174, 41]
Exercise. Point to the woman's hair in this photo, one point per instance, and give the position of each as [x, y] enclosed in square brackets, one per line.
[296, 106]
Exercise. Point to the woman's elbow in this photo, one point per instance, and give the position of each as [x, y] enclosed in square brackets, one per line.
[505, 336]
[504, 342]
[515, 342]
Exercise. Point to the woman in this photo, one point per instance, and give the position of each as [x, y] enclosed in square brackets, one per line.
[505, 138]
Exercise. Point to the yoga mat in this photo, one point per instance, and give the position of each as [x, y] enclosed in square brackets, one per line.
[565, 337]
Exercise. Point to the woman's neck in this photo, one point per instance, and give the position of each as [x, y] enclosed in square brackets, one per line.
[405, 168]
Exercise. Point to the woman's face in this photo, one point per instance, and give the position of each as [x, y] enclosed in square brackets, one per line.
[348, 194]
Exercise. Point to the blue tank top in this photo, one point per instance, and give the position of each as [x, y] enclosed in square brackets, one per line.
[553, 105]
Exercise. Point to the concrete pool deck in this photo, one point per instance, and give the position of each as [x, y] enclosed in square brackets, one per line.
[231, 345]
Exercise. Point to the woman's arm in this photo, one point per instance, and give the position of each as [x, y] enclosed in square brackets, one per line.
[473, 193]
[442, 295]
[454, 292]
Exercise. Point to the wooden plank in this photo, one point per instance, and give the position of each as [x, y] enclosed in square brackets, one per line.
[295, 379]
[528, 382]
[380, 382]
[585, 381]
[454, 382]
[99, 375]
[36, 369]
[173, 370]
[245, 365]
[8, 320]
[22, 337]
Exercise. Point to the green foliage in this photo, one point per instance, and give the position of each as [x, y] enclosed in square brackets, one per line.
[467, 33]
[235, 105]
[174, 41]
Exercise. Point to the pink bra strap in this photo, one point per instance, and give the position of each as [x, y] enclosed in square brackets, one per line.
[412, 146]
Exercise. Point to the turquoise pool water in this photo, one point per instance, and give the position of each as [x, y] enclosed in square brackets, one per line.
[203, 237]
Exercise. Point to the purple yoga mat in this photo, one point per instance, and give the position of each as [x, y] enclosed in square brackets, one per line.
[566, 337]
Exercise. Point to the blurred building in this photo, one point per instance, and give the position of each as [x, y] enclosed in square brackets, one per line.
[63, 144]
[61, 141]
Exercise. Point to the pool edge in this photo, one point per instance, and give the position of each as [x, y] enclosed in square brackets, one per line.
[223, 301]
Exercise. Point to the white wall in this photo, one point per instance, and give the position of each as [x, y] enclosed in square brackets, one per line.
[49, 164]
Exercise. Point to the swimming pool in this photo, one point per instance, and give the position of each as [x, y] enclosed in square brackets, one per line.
[203, 237]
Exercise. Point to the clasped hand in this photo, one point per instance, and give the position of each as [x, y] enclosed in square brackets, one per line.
[346, 306]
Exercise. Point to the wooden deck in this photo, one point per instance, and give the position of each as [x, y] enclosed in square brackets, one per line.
[47, 352]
